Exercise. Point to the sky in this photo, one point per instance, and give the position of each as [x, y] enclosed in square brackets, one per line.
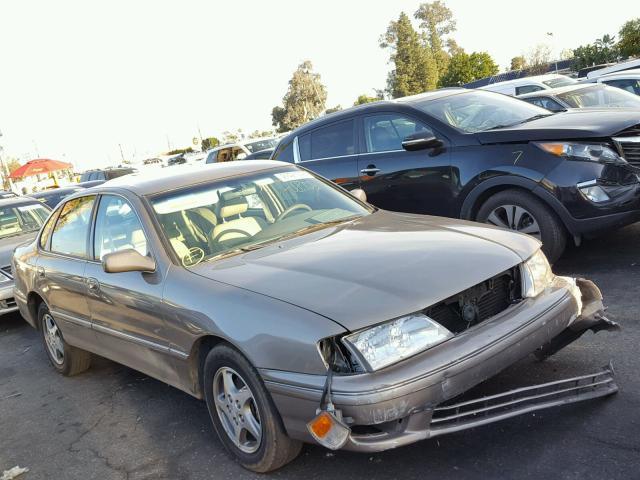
[81, 79]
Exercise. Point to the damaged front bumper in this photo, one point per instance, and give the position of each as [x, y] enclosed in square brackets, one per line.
[409, 401]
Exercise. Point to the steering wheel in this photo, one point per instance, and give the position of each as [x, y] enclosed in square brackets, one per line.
[216, 239]
[293, 208]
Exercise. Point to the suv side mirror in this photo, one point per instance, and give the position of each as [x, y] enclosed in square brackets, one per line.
[421, 141]
[127, 260]
[359, 194]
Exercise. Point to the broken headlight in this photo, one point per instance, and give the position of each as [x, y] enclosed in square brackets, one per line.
[536, 275]
[393, 341]
[582, 151]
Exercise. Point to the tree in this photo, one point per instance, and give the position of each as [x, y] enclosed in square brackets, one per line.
[629, 39]
[179, 151]
[261, 134]
[603, 50]
[415, 70]
[364, 98]
[436, 21]
[464, 68]
[305, 99]
[538, 59]
[12, 165]
[209, 143]
[518, 63]
[335, 109]
[453, 47]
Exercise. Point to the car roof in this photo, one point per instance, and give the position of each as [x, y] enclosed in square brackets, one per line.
[8, 202]
[519, 81]
[166, 179]
[53, 191]
[380, 105]
[632, 73]
[560, 90]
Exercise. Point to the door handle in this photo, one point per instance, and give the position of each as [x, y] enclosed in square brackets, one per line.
[93, 285]
[40, 271]
[370, 170]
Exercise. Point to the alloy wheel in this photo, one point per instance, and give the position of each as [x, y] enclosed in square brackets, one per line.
[515, 218]
[53, 339]
[237, 409]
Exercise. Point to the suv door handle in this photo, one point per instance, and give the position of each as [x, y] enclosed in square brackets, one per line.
[370, 170]
[93, 285]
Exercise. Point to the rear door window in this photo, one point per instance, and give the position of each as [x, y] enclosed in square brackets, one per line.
[334, 140]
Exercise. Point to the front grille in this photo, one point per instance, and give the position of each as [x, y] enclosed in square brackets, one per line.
[630, 151]
[628, 142]
[478, 303]
[7, 269]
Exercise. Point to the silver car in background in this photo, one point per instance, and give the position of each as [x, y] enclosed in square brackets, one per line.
[299, 312]
[20, 221]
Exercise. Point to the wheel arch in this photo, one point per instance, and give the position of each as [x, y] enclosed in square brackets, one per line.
[483, 191]
[199, 351]
[34, 300]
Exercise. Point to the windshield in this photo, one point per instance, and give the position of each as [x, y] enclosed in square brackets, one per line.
[245, 212]
[261, 144]
[20, 219]
[600, 96]
[479, 110]
[559, 82]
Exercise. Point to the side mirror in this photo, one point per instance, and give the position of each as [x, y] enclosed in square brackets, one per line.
[359, 194]
[241, 156]
[421, 141]
[127, 260]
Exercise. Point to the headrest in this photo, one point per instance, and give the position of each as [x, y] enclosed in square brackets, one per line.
[232, 210]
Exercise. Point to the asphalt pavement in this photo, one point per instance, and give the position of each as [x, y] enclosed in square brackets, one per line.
[115, 423]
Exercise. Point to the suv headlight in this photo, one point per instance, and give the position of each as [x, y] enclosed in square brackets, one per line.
[393, 341]
[536, 275]
[582, 151]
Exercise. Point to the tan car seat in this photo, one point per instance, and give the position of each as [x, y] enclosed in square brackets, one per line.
[244, 224]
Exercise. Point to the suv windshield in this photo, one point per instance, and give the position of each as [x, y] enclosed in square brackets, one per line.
[478, 110]
[600, 96]
[261, 144]
[246, 212]
[21, 219]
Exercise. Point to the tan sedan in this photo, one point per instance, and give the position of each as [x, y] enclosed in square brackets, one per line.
[298, 311]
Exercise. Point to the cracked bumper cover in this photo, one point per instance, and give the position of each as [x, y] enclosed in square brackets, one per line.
[407, 402]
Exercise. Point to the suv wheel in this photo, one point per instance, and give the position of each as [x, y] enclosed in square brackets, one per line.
[65, 359]
[523, 212]
[243, 413]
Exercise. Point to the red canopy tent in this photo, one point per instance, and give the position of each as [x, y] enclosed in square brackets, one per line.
[38, 166]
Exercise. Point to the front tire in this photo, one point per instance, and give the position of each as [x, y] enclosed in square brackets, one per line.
[243, 413]
[521, 211]
[65, 359]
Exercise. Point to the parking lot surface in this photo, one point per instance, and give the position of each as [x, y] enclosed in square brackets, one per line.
[115, 423]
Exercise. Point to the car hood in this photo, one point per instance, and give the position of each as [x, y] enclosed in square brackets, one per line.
[8, 245]
[376, 268]
[572, 124]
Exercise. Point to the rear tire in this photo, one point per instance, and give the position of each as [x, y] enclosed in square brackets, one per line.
[236, 398]
[65, 359]
[521, 211]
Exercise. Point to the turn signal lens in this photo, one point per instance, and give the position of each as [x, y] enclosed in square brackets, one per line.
[321, 424]
[556, 149]
[328, 430]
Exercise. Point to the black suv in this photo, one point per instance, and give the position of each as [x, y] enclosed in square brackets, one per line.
[100, 176]
[483, 156]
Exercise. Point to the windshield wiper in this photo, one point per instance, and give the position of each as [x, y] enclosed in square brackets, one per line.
[530, 119]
